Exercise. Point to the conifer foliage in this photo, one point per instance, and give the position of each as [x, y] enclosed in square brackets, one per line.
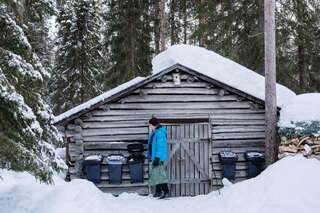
[128, 40]
[27, 138]
[77, 72]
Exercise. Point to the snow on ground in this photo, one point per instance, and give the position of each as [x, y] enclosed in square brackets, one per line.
[291, 185]
[302, 108]
[218, 68]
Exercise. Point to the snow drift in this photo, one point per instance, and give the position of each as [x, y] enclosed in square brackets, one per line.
[301, 108]
[290, 185]
[300, 116]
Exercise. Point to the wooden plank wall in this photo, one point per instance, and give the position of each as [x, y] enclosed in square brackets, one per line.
[237, 124]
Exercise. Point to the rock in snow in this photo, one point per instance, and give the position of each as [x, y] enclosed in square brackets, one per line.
[291, 185]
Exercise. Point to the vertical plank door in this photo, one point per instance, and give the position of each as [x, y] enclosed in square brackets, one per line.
[189, 156]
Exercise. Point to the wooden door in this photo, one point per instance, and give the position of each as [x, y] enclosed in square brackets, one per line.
[189, 158]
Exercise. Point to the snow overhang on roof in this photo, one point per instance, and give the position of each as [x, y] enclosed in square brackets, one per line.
[220, 69]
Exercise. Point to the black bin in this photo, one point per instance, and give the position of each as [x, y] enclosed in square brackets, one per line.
[135, 162]
[228, 160]
[115, 164]
[256, 162]
[92, 166]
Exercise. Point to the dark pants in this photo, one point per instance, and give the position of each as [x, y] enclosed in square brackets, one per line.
[162, 188]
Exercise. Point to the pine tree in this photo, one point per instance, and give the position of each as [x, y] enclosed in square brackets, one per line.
[35, 17]
[27, 138]
[298, 41]
[233, 29]
[128, 37]
[77, 74]
[181, 18]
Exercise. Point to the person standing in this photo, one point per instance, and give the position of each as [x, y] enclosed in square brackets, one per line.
[157, 153]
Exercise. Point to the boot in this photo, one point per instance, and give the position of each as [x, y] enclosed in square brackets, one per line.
[157, 194]
[158, 191]
[165, 189]
[164, 195]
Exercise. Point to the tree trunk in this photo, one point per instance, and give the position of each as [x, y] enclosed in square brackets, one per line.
[173, 29]
[162, 26]
[156, 27]
[185, 23]
[260, 67]
[202, 22]
[270, 82]
[301, 48]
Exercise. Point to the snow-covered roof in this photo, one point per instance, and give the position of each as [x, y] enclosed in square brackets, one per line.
[199, 60]
[302, 108]
[98, 99]
[218, 68]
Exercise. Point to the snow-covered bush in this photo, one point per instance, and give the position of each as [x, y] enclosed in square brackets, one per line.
[300, 116]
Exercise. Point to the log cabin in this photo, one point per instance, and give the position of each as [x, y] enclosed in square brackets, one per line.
[207, 103]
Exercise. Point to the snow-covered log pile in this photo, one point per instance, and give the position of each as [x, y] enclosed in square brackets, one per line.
[299, 126]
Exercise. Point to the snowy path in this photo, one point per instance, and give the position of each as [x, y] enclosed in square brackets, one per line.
[291, 185]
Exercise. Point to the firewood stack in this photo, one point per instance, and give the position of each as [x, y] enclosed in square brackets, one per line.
[309, 146]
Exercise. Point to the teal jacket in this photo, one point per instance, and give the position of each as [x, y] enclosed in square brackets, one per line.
[158, 145]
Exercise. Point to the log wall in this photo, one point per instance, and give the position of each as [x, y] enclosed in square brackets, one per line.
[237, 124]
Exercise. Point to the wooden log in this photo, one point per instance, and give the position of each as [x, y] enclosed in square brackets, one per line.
[302, 140]
[288, 149]
[219, 119]
[117, 138]
[180, 90]
[172, 85]
[237, 116]
[238, 174]
[241, 122]
[115, 124]
[239, 166]
[192, 105]
[144, 118]
[115, 131]
[242, 135]
[238, 143]
[171, 111]
[177, 98]
[235, 129]
[124, 184]
[107, 145]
